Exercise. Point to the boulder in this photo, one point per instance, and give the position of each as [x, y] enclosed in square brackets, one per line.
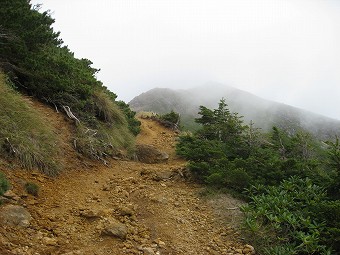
[15, 215]
[149, 154]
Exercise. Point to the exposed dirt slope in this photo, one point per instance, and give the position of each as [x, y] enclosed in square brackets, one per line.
[157, 210]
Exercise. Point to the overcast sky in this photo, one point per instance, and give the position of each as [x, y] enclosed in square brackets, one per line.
[284, 50]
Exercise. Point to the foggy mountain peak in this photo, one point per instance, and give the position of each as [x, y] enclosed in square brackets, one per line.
[264, 113]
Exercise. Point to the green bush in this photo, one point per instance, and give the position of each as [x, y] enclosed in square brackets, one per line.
[32, 188]
[226, 152]
[172, 117]
[282, 219]
[294, 215]
[133, 123]
[4, 184]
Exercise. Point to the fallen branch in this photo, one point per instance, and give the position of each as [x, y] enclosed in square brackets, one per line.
[48, 100]
[11, 146]
[94, 132]
[56, 108]
[70, 114]
[232, 208]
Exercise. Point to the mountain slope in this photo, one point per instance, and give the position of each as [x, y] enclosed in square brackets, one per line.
[263, 112]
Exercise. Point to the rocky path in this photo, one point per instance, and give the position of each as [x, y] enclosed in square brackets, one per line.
[126, 208]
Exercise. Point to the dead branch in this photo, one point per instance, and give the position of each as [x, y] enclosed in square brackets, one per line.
[11, 147]
[232, 208]
[56, 108]
[70, 114]
[48, 100]
[88, 130]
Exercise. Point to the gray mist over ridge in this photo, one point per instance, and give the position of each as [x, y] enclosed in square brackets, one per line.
[282, 50]
[264, 113]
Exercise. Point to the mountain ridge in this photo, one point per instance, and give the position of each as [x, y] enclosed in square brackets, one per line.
[265, 113]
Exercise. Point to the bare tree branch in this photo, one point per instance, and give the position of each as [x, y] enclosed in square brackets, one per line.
[70, 114]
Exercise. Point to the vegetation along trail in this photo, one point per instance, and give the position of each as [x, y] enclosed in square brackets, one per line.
[128, 207]
[80, 174]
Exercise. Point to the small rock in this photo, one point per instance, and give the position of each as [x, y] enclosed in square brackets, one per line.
[50, 241]
[11, 195]
[125, 193]
[239, 251]
[115, 228]
[126, 211]
[40, 179]
[148, 251]
[159, 242]
[163, 176]
[106, 188]
[248, 249]
[4, 200]
[78, 252]
[105, 212]
[88, 213]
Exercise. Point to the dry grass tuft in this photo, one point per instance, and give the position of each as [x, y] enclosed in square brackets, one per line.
[25, 135]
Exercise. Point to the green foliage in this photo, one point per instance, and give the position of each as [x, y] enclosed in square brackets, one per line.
[25, 135]
[33, 57]
[333, 162]
[4, 184]
[334, 154]
[287, 212]
[220, 124]
[134, 124]
[172, 117]
[294, 215]
[212, 151]
[229, 148]
[25, 30]
[32, 188]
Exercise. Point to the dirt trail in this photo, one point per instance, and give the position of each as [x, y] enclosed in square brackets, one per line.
[162, 212]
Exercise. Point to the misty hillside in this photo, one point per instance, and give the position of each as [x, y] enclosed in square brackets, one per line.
[263, 112]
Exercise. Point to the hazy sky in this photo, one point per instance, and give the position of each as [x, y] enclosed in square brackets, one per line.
[284, 50]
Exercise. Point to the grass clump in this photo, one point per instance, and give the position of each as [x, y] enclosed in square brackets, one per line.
[4, 184]
[32, 188]
[24, 135]
[106, 132]
[106, 110]
[105, 141]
